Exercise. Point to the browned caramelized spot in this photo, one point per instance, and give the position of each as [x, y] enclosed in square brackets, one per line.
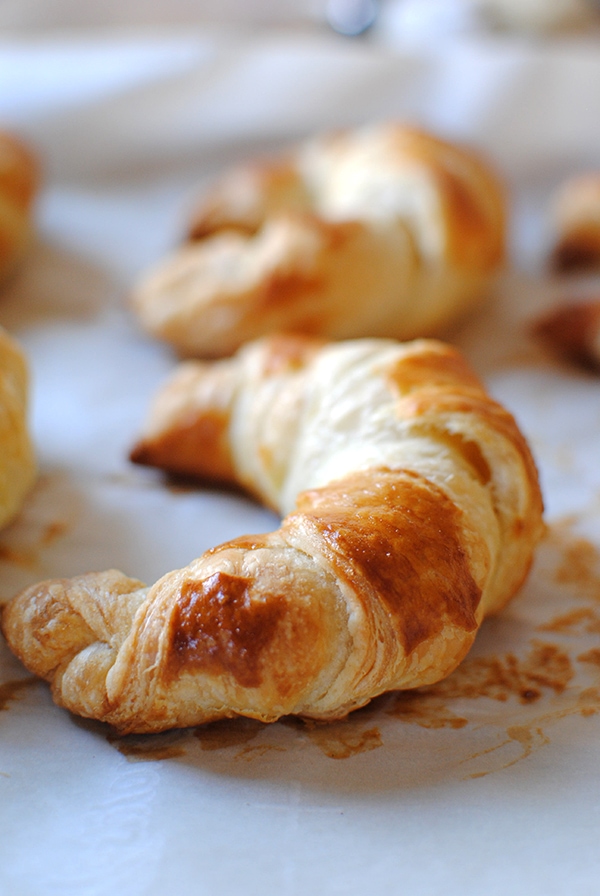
[436, 365]
[288, 290]
[399, 536]
[217, 627]
[547, 667]
[572, 331]
[11, 690]
[577, 252]
[197, 447]
[289, 353]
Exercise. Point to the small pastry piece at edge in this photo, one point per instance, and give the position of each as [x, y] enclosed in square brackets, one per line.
[576, 222]
[17, 459]
[19, 182]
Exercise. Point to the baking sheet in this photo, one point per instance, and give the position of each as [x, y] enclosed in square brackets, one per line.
[486, 783]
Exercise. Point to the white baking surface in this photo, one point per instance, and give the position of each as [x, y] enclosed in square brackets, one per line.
[455, 792]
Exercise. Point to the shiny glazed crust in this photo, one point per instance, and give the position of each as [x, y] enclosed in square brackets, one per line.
[17, 464]
[410, 507]
[18, 185]
[384, 231]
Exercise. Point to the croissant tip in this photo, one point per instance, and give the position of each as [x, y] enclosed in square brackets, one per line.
[140, 454]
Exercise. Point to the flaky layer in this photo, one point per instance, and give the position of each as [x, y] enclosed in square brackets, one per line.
[410, 507]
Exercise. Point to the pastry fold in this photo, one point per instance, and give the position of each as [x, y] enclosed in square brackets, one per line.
[385, 231]
[410, 509]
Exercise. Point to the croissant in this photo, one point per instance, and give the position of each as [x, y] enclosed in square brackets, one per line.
[18, 185]
[383, 231]
[576, 221]
[572, 330]
[541, 17]
[17, 462]
[411, 509]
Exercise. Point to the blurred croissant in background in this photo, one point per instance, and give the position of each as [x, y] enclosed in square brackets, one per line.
[382, 231]
[17, 461]
[19, 178]
[576, 221]
[571, 328]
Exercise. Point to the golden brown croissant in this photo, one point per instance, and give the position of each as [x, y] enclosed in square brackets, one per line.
[17, 463]
[18, 185]
[411, 509]
[576, 220]
[384, 231]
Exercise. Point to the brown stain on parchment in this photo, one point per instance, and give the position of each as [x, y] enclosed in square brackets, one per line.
[528, 738]
[227, 733]
[341, 740]
[578, 564]
[546, 666]
[27, 559]
[580, 568]
[31, 532]
[581, 619]
[28, 556]
[338, 740]
[149, 747]
[12, 690]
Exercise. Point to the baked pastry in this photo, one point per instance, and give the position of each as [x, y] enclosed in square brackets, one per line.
[572, 330]
[576, 220]
[411, 509]
[384, 231]
[17, 463]
[538, 16]
[18, 185]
